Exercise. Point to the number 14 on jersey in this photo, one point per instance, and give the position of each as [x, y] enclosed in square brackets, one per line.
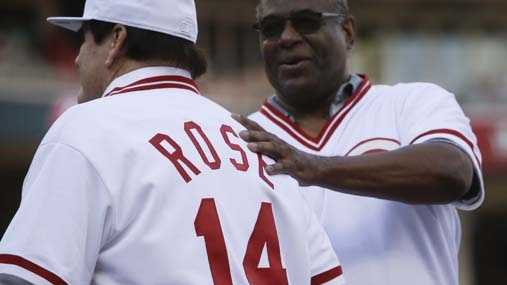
[207, 225]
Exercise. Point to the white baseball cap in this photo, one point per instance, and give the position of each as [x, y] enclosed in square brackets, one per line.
[173, 17]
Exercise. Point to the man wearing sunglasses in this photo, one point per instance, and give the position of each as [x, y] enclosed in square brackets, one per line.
[399, 160]
[146, 182]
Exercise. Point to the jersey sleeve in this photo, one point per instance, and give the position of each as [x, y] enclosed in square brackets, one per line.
[325, 266]
[64, 218]
[430, 113]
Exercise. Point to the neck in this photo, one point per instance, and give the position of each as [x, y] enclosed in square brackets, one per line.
[311, 120]
[315, 105]
[312, 117]
[300, 112]
[127, 66]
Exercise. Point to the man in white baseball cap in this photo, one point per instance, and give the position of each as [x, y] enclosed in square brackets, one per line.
[147, 182]
[164, 30]
[177, 18]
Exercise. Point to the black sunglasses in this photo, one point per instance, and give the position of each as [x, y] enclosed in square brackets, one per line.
[304, 22]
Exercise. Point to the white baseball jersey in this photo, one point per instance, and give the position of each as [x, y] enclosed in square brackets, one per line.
[384, 242]
[152, 185]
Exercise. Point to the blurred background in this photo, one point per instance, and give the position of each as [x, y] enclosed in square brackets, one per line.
[458, 44]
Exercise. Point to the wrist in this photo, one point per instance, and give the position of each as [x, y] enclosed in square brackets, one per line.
[318, 169]
[327, 171]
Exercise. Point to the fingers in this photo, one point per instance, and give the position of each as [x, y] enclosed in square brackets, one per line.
[268, 144]
[247, 123]
[277, 168]
[266, 148]
[256, 136]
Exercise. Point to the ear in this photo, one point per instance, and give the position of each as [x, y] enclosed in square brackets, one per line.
[349, 27]
[116, 44]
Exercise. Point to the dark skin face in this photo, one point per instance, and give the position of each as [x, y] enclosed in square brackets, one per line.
[306, 70]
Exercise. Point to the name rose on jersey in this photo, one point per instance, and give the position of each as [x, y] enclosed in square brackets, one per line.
[173, 151]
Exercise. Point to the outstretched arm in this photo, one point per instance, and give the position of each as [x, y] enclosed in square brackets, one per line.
[429, 173]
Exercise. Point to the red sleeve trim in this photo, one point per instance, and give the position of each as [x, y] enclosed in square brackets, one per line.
[327, 276]
[32, 267]
[453, 133]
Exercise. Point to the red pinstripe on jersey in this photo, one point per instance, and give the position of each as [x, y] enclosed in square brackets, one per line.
[315, 143]
[32, 267]
[157, 82]
[327, 276]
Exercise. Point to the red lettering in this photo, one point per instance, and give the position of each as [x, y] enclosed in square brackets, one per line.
[207, 225]
[243, 166]
[264, 235]
[175, 157]
[215, 164]
[262, 174]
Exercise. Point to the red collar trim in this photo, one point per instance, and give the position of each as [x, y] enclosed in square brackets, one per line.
[157, 82]
[315, 143]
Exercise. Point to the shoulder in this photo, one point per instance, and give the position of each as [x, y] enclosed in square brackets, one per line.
[256, 116]
[410, 89]
[78, 123]
[265, 122]
[413, 95]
